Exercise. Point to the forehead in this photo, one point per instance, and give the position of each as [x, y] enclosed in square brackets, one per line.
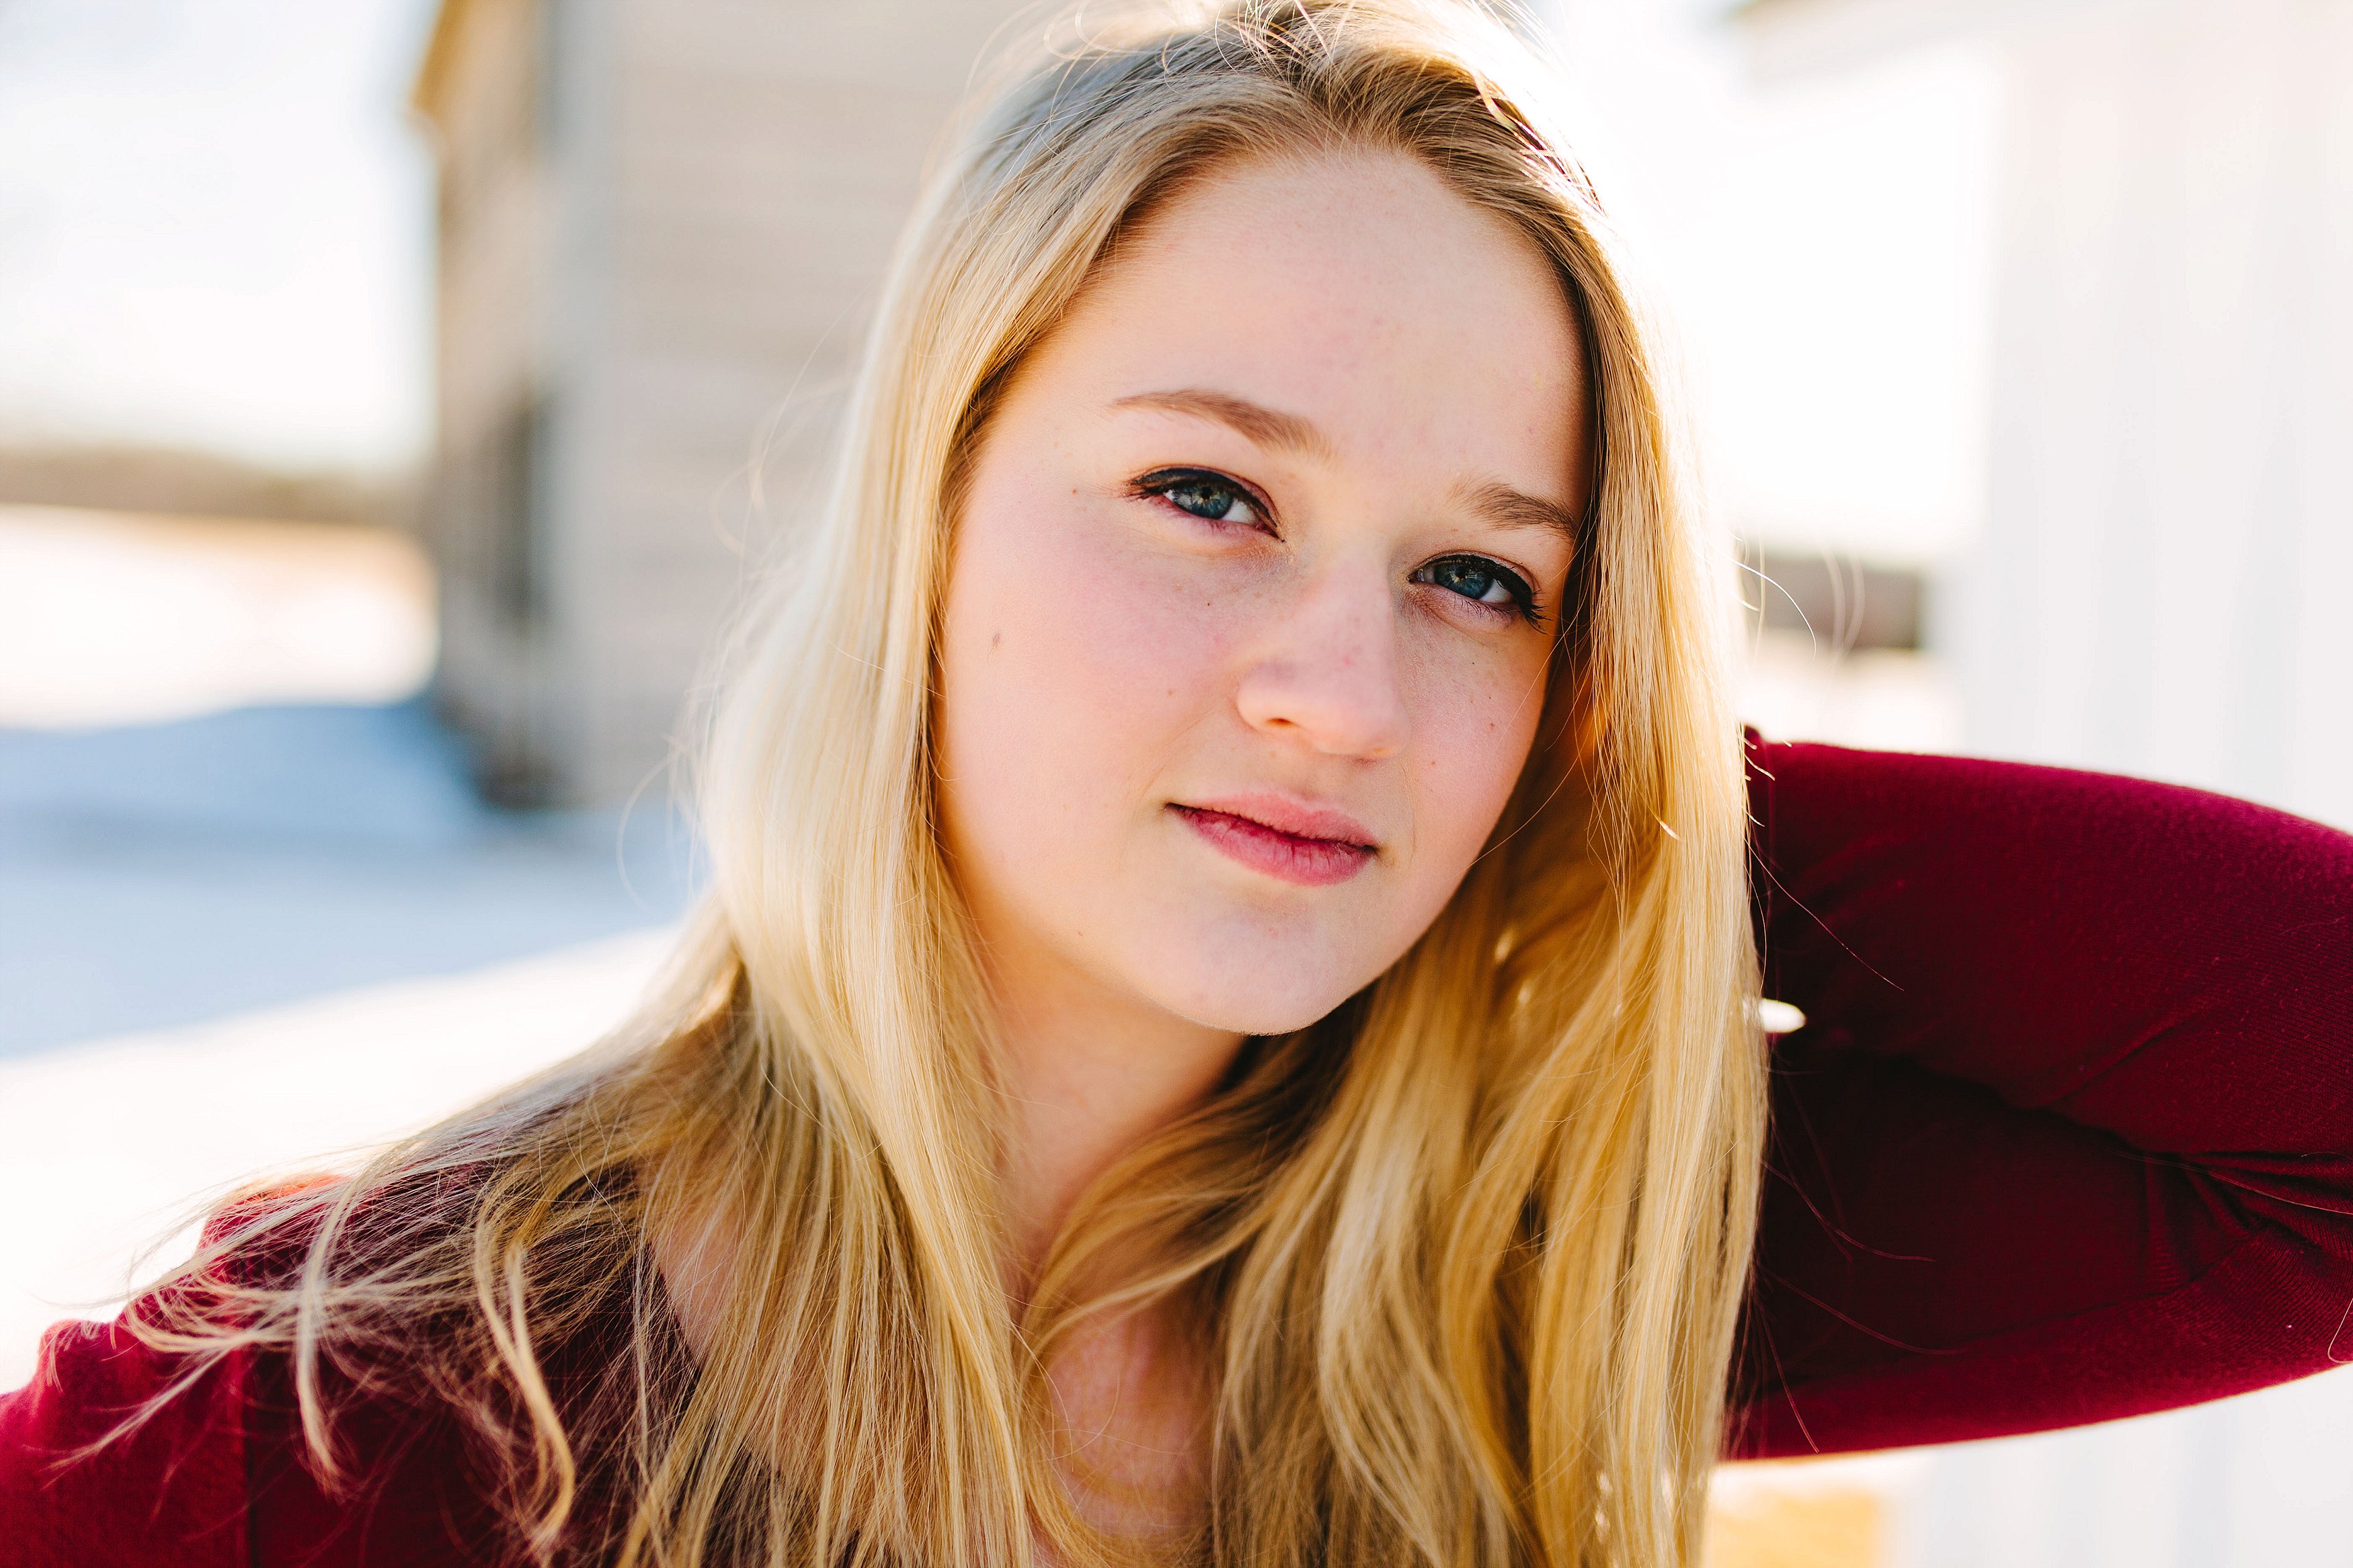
[1357, 289]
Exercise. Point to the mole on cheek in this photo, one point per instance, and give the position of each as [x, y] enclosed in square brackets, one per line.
[994, 639]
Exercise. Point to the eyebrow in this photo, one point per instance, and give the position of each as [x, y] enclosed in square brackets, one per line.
[1494, 502]
[1504, 507]
[1267, 427]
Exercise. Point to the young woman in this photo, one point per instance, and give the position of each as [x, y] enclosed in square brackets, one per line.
[1225, 1026]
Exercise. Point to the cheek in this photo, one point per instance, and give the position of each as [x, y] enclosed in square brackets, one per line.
[1473, 727]
[1070, 672]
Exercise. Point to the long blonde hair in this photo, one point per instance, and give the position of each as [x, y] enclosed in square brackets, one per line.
[1469, 1251]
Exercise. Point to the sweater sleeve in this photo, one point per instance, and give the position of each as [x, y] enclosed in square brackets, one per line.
[2068, 1134]
[169, 1490]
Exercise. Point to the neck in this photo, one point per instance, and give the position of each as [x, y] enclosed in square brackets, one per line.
[1089, 1076]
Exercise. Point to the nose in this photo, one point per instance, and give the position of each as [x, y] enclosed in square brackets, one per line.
[1327, 672]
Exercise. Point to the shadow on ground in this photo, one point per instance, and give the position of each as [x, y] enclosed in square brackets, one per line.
[166, 874]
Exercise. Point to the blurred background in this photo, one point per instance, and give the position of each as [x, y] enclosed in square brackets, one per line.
[394, 392]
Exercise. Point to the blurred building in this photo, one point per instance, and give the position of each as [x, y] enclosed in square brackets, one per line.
[658, 221]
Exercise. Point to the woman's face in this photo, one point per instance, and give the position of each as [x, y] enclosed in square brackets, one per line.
[1254, 591]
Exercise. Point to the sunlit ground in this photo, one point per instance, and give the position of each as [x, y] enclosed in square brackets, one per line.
[116, 1135]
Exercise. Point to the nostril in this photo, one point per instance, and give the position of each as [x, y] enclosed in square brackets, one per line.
[1328, 674]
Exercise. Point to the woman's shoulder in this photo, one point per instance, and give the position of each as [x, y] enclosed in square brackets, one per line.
[118, 1452]
[137, 1442]
[133, 1444]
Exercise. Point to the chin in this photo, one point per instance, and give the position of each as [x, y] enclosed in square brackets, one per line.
[1259, 998]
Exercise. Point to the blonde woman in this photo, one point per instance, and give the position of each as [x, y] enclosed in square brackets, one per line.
[1224, 1030]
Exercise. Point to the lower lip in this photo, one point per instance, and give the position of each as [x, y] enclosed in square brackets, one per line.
[1286, 857]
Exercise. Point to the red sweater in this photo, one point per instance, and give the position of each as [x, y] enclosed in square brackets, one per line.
[2068, 1136]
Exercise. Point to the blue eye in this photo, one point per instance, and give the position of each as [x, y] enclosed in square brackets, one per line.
[1482, 581]
[1210, 496]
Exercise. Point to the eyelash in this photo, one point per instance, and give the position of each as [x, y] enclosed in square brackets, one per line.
[1526, 603]
[1160, 481]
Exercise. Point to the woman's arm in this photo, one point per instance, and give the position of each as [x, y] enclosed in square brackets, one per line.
[2069, 1133]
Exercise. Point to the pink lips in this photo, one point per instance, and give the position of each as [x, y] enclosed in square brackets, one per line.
[1288, 839]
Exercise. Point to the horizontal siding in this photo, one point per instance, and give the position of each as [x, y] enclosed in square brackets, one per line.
[752, 164]
[765, 156]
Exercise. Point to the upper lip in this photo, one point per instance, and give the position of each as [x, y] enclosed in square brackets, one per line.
[1290, 814]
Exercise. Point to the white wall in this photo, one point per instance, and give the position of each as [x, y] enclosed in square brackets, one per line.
[2161, 585]
[1822, 245]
